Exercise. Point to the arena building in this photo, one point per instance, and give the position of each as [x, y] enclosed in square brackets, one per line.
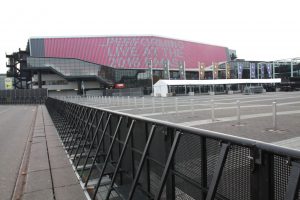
[70, 65]
[91, 63]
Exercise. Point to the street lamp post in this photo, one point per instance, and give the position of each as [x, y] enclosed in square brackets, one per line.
[151, 74]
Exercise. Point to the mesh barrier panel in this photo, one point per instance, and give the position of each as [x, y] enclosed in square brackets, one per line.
[213, 150]
[281, 175]
[155, 175]
[188, 157]
[235, 180]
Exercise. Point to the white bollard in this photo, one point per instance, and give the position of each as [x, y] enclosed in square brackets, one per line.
[238, 113]
[176, 106]
[274, 106]
[128, 100]
[192, 106]
[143, 101]
[153, 105]
[135, 102]
[212, 110]
[162, 105]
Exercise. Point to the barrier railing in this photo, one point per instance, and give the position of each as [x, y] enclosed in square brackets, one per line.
[23, 96]
[124, 156]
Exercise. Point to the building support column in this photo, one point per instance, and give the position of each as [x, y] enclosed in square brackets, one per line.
[40, 79]
[79, 89]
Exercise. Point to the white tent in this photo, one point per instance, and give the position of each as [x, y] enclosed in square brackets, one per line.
[161, 87]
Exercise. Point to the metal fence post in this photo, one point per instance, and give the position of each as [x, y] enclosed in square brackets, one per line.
[261, 184]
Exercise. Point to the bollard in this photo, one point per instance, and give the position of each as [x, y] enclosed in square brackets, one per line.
[212, 110]
[192, 106]
[238, 114]
[162, 105]
[134, 101]
[109, 100]
[128, 100]
[153, 105]
[143, 101]
[274, 106]
[176, 106]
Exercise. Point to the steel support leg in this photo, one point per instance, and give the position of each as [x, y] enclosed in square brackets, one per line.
[86, 134]
[107, 157]
[93, 139]
[120, 159]
[139, 170]
[97, 151]
[168, 165]
[218, 172]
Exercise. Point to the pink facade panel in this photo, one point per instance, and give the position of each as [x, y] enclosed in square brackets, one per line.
[133, 52]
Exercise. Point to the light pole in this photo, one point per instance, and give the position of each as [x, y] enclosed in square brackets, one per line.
[151, 74]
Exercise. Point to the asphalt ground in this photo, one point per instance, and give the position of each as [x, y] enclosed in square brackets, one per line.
[218, 113]
[15, 125]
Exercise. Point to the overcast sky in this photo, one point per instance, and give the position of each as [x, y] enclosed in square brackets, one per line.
[256, 29]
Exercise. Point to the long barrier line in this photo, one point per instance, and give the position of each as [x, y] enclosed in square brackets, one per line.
[23, 96]
[124, 156]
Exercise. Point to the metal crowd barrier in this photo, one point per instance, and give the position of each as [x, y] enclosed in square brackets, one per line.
[123, 156]
[23, 96]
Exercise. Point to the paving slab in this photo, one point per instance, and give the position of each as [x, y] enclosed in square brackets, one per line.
[59, 161]
[39, 148]
[38, 180]
[63, 177]
[74, 191]
[39, 164]
[50, 129]
[39, 139]
[41, 194]
[56, 151]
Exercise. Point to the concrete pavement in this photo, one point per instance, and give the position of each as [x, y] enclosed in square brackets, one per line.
[15, 125]
[33, 162]
[50, 174]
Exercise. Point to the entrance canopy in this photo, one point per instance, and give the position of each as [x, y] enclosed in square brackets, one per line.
[161, 87]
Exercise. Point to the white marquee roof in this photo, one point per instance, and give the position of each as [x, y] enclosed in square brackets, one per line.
[215, 82]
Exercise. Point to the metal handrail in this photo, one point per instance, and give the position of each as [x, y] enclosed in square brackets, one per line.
[211, 134]
[261, 162]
